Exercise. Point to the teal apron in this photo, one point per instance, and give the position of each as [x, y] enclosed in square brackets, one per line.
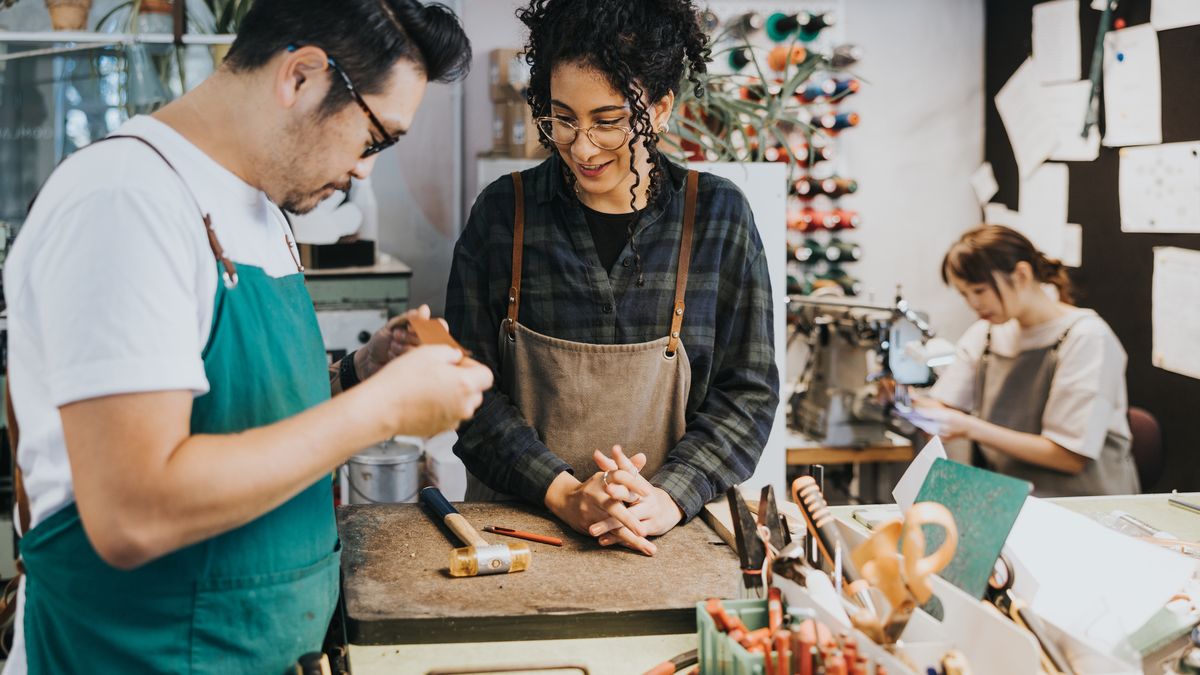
[252, 600]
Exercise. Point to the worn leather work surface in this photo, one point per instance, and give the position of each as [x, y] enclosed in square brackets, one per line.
[396, 586]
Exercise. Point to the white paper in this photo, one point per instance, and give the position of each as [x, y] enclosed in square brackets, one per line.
[910, 483]
[1069, 106]
[1027, 119]
[983, 181]
[1085, 578]
[999, 214]
[1072, 245]
[1043, 196]
[1043, 209]
[1132, 87]
[1175, 310]
[1159, 188]
[1056, 40]
[1165, 14]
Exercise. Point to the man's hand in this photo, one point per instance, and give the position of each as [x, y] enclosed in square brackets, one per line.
[389, 342]
[425, 391]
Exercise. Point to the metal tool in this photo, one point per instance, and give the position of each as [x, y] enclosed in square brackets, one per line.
[1000, 594]
[894, 561]
[747, 523]
[823, 529]
[477, 557]
[751, 553]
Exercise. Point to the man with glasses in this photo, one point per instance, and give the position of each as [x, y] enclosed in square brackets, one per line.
[167, 375]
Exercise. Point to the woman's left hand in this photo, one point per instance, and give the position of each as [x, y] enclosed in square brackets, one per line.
[951, 423]
[656, 512]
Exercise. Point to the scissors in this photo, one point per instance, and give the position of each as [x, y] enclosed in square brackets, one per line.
[893, 560]
[999, 593]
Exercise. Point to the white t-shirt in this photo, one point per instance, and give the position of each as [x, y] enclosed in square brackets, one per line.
[110, 288]
[1087, 394]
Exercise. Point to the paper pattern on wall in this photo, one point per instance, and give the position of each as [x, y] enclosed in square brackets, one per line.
[1069, 105]
[1132, 87]
[1159, 188]
[983, 182]
[1043, 209]
[1175, 310]
[1166, 14]
[1056, 40]
[1027, 119]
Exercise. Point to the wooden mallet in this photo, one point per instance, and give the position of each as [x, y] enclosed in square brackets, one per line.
[477, 557]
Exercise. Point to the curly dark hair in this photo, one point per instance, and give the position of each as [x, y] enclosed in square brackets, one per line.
[643, 48]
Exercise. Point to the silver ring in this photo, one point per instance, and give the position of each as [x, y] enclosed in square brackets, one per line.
[604, 477]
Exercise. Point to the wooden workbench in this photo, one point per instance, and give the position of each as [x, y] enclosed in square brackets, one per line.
[397, 589]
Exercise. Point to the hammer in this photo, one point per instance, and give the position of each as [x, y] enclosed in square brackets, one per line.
[477, 557]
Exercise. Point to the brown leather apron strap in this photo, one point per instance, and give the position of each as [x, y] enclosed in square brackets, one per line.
[14, 437]
[8, 598]
[514, 290]
[217, 251]
[685, 260]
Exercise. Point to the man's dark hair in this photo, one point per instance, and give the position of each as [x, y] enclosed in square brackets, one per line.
[365, 37]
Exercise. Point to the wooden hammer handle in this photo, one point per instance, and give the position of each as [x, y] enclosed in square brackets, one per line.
[463, 530]
[436, 502]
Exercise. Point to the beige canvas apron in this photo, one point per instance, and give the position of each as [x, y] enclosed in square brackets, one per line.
[582, 397]
[1012, 392]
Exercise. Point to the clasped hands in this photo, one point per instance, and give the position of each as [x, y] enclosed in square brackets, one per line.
[617, 505]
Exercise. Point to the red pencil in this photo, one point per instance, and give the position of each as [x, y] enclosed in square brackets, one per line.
[540, 538]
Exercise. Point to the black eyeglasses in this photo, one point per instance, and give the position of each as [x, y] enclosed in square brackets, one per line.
[375, 147]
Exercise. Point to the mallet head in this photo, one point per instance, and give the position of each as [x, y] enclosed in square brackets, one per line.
[471, 561]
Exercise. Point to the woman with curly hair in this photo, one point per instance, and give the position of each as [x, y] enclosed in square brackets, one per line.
[622, 300]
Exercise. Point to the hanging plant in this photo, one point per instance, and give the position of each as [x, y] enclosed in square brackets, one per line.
[68, 14]
[747, 116]
[229, 14]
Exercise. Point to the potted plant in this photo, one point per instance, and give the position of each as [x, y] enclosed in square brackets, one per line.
[68, 14]
[228, 15]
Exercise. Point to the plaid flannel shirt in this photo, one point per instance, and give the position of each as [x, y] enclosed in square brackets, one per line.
[727, 327]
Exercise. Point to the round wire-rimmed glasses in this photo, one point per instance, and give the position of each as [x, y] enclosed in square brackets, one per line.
[603, 136]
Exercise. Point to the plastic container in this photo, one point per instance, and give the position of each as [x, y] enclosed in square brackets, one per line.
[720, 655]
[388, 473]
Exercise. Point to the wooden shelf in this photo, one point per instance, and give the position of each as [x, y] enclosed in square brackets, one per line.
[802, 450]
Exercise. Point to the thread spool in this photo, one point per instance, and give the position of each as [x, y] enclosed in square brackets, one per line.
[780, 57]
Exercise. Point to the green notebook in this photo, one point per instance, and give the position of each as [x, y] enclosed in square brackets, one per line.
[985, 506]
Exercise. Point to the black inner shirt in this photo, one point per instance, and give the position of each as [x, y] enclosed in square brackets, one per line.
[608, 233]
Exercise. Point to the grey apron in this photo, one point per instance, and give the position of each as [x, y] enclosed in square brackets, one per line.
[582, 397]
[1012, 392]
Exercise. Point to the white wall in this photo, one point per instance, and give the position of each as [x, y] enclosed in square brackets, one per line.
[921, 136]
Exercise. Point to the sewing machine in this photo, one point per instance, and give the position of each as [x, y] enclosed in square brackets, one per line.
[861, 359]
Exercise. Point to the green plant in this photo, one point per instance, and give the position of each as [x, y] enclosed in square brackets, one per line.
[229, 14]
[742, 114]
